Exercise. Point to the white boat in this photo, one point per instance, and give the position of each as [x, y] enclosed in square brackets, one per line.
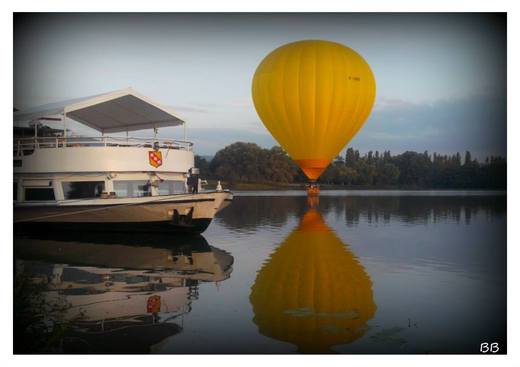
[108, 182]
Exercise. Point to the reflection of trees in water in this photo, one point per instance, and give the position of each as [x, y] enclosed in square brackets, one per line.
[415, 209]
[249, 212]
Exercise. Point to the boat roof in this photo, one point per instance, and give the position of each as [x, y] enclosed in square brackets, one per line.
[117, 111]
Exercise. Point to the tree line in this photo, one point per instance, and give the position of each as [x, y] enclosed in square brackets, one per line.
[249, 163]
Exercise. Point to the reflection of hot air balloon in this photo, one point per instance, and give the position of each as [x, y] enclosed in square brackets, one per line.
[313, 292]
[313, 96]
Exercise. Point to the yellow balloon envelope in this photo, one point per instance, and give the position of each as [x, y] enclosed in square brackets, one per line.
[312, 292]
[313, 96]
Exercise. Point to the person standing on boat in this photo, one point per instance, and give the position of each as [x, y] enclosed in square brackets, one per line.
[193, 182]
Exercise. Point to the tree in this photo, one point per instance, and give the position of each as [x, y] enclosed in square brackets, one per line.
[203, 165]
[350, 158]
[467, 158]
[279, 167]
[247, 162]
[414, 169]
[238, 162]
[339, 160]
[388, 174]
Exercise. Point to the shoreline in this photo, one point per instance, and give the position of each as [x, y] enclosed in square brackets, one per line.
[374, 193]
[243, 186]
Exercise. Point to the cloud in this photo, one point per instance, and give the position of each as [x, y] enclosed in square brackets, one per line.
[477, 124]
[209, 140]
[386, 104]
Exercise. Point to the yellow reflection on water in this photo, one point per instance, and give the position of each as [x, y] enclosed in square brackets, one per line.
[313, 292]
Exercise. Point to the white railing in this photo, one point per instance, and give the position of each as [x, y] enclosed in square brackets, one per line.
[26, 146]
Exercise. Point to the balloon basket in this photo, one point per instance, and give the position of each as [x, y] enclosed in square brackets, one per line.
[313, 190]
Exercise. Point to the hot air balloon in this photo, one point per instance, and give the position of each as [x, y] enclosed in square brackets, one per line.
[313, 96]
[312, 292]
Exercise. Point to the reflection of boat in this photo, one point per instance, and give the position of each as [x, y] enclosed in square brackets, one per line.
[117, 295]
[312, 292]
[189, 254]
[107, 182]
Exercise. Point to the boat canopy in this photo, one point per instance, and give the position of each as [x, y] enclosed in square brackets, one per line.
[118, 111]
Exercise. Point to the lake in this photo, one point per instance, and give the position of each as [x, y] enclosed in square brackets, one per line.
[353, 272]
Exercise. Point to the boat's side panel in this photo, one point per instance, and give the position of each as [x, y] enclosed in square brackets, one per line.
[104, 159]
[127, 213]
[195, 226]
[188, 213]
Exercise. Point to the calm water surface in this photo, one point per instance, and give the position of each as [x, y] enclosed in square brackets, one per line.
[361, 272]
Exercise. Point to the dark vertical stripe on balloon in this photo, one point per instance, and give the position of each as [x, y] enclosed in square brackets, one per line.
[269, 96]
[345, 90]
[265, 87]
[283, 66]
[354, 126]
[300, 131]
[299, 71]
[332, 75]
[314, 102]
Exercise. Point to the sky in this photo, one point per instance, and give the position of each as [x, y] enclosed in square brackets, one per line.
[441, 78]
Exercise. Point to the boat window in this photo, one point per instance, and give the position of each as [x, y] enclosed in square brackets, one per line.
[39, 194]
[132, 189]
[37, 183]
[83, 189]
[171, 187]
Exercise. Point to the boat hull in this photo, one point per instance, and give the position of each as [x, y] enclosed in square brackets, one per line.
[164, 214]
[197, 226]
